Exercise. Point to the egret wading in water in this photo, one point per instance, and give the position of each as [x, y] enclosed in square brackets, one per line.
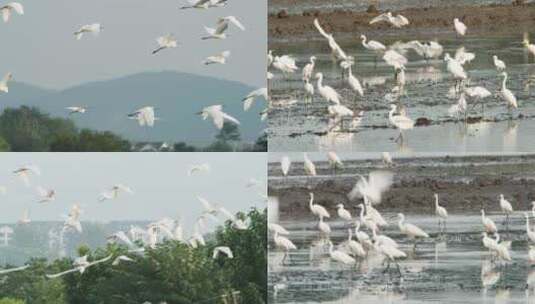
[284, 244]
[316, 209]
[374, 46]
[400, 121]
[413, 232]
[309, 167]
[507, 209]
[441, 213]
[309, 94]
[507, 95]
[328, 93]
[488, 223]
[334, 161]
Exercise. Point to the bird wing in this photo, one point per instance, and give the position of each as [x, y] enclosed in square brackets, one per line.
[222, 26]
[236, 22]
[6, 12]
[122, 236]
[100, 261]
[227, 213]
[205, 203]
[382, 17]
[6, 271]
[320, 29]
[17, 7]
[124, 188]
[7, 78]
[56, 275]
[230, 118]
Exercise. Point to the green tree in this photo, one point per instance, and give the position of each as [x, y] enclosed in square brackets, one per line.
[183, 147]
[229, 133]
[10, 301]
[4, 145]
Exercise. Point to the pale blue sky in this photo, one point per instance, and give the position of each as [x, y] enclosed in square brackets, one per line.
[40, 48]
[159, 180]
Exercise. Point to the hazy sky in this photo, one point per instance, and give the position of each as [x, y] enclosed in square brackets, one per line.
[40, 48]
[159, 180]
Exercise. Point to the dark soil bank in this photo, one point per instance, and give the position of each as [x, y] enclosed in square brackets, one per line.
[467, 183]
[495, 19]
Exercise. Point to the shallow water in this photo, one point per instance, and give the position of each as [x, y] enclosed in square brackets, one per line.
[296, 128]
[450, 267]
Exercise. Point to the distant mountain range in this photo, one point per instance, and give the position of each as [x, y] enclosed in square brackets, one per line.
[176, 97]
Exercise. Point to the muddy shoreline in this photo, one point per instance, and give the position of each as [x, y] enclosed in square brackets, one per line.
[494, 19]
[463, 184]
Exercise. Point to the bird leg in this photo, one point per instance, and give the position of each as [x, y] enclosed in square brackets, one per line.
[284, 258]
[399, 269]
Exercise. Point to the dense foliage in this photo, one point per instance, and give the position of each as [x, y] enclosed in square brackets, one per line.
[173, 272]
[27, 129]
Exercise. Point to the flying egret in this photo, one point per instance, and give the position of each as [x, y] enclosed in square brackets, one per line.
[316, 209]
[343, 213]
[3, 83]
[285, 165]
[250, 98]
[7, 9]
[328, 93]
[208, 208]
[372, 45]
[204, 4]
[165, 42]
[283, 243]
[340, 256]
[309, 69]
[237, 223]
[488, 223]
[499, 64]
[215, 112]
[24, 173]
[400, 121]
[144, 116]
[336, 51]
[121, 258]
[506, 207]
[310, 169]
[222, 250]
[412, 231]
[45, 195]
[397, 21]
[440, 212]
[507, 95]
[460, 27]
[372, 188]
[80, 265]
[217, 59]
[15, 269]
[221, 27]
[94, 28]
[114, 191]
[76, 110]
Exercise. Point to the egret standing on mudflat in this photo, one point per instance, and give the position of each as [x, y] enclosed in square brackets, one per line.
[499, 64]
[328, 93]
[412, 231]
[400, 121]
[507, 95]
[441, 213]
[506, 207]
[316, 209]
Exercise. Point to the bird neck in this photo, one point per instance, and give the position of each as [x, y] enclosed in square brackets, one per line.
[503, 83]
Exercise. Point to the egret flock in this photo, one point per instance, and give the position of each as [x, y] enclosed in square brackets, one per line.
[137, 239]
[146, 116]
[331, 105]
[364, 224]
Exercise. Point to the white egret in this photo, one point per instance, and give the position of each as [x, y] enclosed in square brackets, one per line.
[283, 243]
[354, 83]
[309, 69]
[531, 254]
[372, 45]
[339, 111]
[387, 159]
[144, 116]
[7, 9]
[309, 167]
[384, 239]
[200, 168]
[336, 50]
[463, 57]
[45, 195]
[217, 59]
[334, 161]
[355, 247]
[375, 215]
[250, 98]
[507, 95]
[80, 265]
[440, 212]
[412, 231]
[165, 42]
[343, 213]
[499, 64]
[222, 26]
[529, 232]
[478, 93]
[4, 82]
[94, 28]
[328, 93]
[324, 228]
[400, 121]
[460, 27]
[456, 69]
[390, 252]
[276, 228]
[397, 21]
[204, 4]
[395, 59]
[362, 236]
[215, 112]
[15, 269]
[237, 223]
[529, 47]
[316, 209]
[285, 64]
[340, 256]
[208, 208]
[121, 258]
[366, 220]
[222, 250]
[76, 109]
[488, 223]
[285, 165]
[372, 188]
[506, 207]
[24, 173]
[309, 93]
[114, 191]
